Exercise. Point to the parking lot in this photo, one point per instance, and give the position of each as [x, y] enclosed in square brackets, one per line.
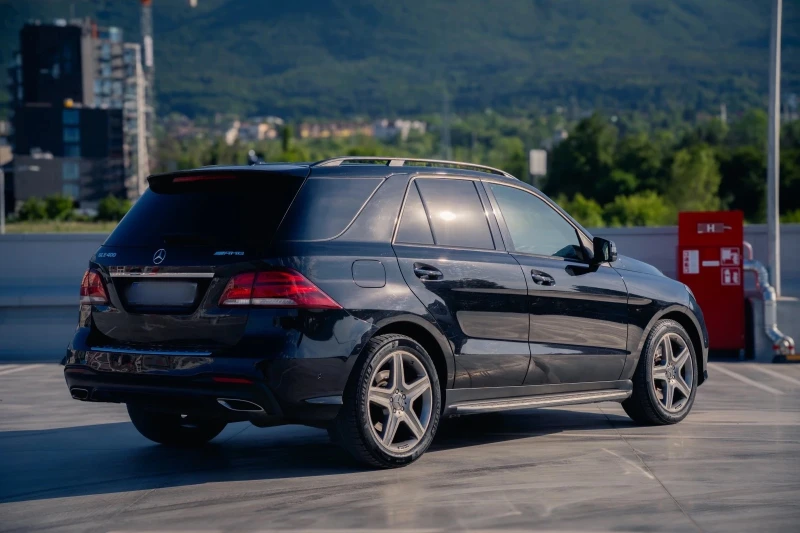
[732, 465]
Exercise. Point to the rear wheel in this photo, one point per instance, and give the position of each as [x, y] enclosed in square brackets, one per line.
[174, 429]
[391, 405]
[665, 381]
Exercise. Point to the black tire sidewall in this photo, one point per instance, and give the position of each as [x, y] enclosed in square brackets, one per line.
[668, 326]
[361, 401]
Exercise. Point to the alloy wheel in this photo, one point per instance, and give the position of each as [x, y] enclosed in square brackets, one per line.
[673, 372]
[400, 401]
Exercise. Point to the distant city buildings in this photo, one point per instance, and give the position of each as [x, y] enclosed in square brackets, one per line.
[77, 105]
[255, 129]
[334, 130]
[386, 129]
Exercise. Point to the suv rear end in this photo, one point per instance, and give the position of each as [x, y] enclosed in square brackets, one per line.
[218, 298]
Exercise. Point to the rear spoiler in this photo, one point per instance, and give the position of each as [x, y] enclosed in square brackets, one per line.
[164, 182]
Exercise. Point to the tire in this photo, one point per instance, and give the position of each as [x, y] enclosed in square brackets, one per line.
[382, 423]
[650, 403]
[172, 429]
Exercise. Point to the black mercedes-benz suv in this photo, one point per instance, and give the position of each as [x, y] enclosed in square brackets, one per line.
[370, 297]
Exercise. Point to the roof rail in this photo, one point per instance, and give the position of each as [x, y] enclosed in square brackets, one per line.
[409, 161]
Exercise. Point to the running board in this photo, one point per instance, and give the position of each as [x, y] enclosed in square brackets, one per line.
[545, 400]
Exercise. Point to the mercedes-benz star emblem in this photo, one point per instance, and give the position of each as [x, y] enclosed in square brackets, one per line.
[159, 256]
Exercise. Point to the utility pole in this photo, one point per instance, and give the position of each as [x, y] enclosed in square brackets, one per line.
[446, 146]
[773, 150]
[149, 76]
[2, 201]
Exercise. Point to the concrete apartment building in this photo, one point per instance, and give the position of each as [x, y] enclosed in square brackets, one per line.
[77, 103]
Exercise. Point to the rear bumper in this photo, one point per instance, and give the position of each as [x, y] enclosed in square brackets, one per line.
[196, 396]
[306, 391]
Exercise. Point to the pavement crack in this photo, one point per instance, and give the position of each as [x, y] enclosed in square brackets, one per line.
[647, 469]
[130, 505]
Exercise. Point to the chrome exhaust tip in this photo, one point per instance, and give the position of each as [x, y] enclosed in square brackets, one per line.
[244, 406]
[79, 393]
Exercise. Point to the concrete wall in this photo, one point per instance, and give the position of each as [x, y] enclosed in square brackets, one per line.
[44, 270]
[40, 276]
[657, 246]
[39, 280]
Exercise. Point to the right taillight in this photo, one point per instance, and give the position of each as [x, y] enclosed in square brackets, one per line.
[92, 289]
[275, 288]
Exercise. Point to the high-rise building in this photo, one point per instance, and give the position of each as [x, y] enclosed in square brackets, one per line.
[77, 102]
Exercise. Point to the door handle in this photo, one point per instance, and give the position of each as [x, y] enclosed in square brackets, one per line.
[542, 278]
[427, 272]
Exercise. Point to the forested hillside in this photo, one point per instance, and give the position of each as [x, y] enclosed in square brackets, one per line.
[342, 57]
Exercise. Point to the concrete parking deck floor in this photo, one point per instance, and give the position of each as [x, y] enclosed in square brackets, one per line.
[732, 465]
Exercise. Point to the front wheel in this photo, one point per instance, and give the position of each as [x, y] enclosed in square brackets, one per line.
[665, 381]
[392, 404]
[173, 429]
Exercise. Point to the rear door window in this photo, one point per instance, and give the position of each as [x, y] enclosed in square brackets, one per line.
[456, 213]
[227, 210]
[325, 207]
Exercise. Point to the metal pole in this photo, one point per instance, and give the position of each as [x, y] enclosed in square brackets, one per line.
[773, 150]
[2, 202]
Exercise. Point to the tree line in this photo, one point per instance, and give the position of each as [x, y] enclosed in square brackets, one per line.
[618, 170]
[645, 179]
[61, 208]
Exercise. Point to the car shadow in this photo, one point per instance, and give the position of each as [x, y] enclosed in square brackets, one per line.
[111, 458]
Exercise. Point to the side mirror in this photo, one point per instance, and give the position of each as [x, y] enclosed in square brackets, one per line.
[604, 251]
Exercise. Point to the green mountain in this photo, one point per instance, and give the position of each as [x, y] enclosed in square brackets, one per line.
[342, 57]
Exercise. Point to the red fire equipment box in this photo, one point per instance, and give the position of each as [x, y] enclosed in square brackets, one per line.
[710, 263]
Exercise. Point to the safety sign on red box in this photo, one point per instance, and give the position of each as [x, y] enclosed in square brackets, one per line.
[691, 261]
[730, 257]
[731, 276]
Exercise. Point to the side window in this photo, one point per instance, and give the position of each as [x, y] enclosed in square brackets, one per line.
[325, 207]
[535, 227]
[414, 227]
[456, 213]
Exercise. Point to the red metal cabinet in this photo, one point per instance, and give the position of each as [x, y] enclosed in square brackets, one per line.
[710, 263]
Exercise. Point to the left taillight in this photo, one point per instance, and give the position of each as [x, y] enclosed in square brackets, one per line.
[275, 288]
[92, 289]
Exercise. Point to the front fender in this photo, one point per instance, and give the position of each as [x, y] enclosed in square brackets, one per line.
[692, 322]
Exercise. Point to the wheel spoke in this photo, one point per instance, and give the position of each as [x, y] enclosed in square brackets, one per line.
[397, 371]
[666, 349]
[381, 396]
[417, 389]
[669, 394]
[682, 386]
[391, 428]
[413, 423]
[392, 402]
[681, 358]
[660, 373]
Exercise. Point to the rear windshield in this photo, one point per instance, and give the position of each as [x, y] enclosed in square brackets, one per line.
[325, 207]
[245, 212]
